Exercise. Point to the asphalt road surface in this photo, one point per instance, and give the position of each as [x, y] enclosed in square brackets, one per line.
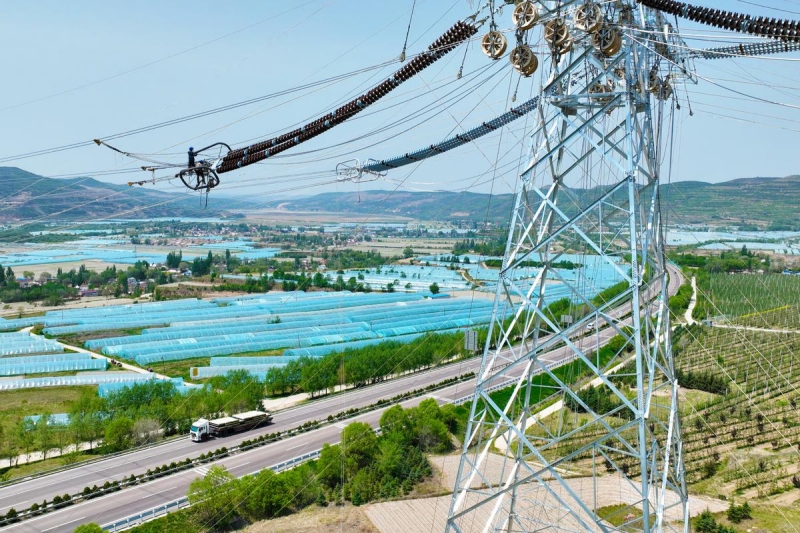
[140, 498]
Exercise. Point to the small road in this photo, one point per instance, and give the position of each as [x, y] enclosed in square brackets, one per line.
[692, 303]
[136, 499]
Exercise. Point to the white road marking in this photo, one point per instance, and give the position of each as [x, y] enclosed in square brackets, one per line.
[63, 523]
[159, 492]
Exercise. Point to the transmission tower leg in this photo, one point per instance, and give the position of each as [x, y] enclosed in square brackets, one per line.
[574, 425]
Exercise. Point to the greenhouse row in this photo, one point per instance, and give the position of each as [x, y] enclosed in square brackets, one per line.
[279, 304]
[93, 378]
[202, 372]
[23, 343]
[374, 314]
[320, 351]
[48, 358]
[147, 352]
[52, 366]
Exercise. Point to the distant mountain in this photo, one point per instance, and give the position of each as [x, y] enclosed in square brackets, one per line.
[26, 196]
[760, 202]
[763, 202]
[769, 203]
[413, 205]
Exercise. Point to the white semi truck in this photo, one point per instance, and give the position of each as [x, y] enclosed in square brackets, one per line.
[227, 425]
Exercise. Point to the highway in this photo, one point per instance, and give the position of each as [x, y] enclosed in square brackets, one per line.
[142, 497]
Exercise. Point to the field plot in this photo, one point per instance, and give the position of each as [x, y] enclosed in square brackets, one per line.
[744, 437]
[756, 300]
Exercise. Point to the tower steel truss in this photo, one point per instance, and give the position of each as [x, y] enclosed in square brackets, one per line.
[586, 431]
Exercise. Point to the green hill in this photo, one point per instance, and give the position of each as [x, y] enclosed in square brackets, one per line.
[27, 196]
[763, 202]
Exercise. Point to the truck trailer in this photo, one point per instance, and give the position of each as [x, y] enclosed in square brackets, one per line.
[227, 425]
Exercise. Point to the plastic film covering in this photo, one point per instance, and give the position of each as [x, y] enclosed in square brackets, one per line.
[71, 381]
[203, 372]
[283, 338]
[86, 323]
[199, 336]
[479, 317]
[424, 327]
[320, 351]
[18, 323]
[24, 343]
[255, 360]
[257, 346]
[266, 297]
[52, 366]
[49, 358]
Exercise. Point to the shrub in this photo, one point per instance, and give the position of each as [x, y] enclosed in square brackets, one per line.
[737, 513]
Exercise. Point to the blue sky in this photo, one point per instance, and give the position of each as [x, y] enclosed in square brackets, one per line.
[76, 71]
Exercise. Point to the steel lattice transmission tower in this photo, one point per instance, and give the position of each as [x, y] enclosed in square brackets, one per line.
[550, 454]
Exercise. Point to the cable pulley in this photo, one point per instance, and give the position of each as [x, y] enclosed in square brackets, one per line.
[588, 17]
[556, 31]
[524, 60]
[525, 15]
[607, 41]
[494, 44]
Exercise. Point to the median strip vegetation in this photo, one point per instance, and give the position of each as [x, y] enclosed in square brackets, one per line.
[362, 468]
[88, 493]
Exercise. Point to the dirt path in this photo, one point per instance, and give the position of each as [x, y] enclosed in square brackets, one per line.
[692, 302]
[316, 519]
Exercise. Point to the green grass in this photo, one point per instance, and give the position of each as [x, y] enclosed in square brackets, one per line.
[766, 517]
[615, 515]
[178, 369]
[30, 469]
[17, 404]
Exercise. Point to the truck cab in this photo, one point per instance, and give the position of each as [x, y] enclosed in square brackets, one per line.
[199, 430]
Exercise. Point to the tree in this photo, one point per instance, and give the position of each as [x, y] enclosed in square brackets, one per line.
[9, 446]
[25, 436]
[395, 421]
[265, 495]
[119, 434]
[214, 499]
[408, 252]
[329, 465]
[360, 447]
[145, 431]
[174, 259]
[45, 437]
[434, 288]
[737, 513]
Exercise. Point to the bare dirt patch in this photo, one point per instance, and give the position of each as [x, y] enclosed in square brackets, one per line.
[318, 520]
